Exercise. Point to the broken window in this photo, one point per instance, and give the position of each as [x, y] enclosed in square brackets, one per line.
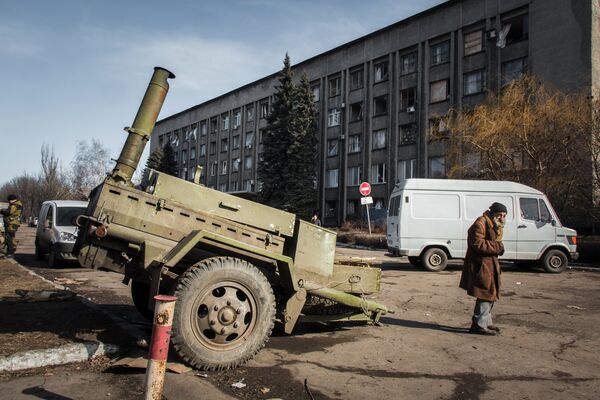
[380, 105]
[381, 71]
[332, 147]
[355, 112]
[407, 100]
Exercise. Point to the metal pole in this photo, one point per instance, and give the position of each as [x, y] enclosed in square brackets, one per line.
[369, 220]
[159, 347]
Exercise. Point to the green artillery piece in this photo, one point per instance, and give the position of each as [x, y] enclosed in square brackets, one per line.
[237, 267]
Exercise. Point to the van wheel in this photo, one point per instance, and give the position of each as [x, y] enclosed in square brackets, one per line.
[555, 261]
[415, 261]
[434, 259]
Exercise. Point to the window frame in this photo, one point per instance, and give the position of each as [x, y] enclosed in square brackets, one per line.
[335, 86]
[482, 79]
[431, 84]
[383, 133]
[442, 59]
[481, 43]
[384, 67]
[403, 57]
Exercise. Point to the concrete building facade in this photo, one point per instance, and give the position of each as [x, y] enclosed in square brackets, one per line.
[378, 97]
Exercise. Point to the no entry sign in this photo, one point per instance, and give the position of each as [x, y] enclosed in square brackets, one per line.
[365, 189]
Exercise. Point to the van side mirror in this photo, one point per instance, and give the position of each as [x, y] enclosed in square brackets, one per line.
[553, 222]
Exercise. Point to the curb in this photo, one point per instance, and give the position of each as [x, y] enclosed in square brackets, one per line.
[66, 354]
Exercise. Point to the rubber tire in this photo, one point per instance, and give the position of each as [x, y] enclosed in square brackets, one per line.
[52, 259]
[416, 261]
[140, 291]
[554, 255]
[39, 255]
[192, 285]
[434, 252]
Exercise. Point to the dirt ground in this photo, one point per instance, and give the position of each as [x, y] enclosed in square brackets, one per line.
[548, 347]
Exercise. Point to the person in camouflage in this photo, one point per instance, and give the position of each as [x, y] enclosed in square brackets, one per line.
[12, 221]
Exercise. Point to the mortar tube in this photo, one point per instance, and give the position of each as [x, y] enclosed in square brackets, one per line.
[159, 347]
[142, 127]
[345, 298]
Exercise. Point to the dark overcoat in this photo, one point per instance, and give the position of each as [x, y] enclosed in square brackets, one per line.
[481, 272]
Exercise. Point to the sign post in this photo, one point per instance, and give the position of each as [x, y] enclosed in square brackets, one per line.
[365, 190]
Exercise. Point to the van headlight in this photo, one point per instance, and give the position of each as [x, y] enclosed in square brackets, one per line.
[67, 237]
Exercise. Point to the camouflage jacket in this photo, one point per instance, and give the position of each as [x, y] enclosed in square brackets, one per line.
[12, 216]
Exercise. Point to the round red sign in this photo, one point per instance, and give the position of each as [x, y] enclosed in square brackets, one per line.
[365, 189]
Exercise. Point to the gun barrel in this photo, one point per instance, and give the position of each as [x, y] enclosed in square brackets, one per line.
[143, 124]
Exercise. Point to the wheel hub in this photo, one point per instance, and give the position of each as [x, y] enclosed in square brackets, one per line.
[225, 314]
[435, 259]
[555, 261]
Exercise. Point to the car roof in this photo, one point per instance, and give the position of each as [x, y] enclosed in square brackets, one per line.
[464, 185]
[68, 203]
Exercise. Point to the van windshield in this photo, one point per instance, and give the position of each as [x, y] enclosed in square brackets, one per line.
[65, 216]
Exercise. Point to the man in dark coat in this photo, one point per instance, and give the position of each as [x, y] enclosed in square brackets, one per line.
[481, 272]
[12, 221]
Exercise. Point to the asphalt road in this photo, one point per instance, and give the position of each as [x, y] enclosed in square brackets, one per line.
[548, 347]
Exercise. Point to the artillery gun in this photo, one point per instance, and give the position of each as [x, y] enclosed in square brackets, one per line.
[236, 266]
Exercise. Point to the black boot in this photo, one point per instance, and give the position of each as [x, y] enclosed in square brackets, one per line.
[477, 330]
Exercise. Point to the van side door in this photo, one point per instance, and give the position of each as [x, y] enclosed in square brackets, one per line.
[534, 230]
[477, 203]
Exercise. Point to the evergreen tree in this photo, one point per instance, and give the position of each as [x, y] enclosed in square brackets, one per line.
[168, 163]
[155, 160]
[273, 170]
[302, 195]
[288, 168]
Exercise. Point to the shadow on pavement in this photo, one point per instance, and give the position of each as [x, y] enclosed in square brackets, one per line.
[42, 393]
[422, 325]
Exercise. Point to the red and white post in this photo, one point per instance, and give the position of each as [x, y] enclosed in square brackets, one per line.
[159, 346]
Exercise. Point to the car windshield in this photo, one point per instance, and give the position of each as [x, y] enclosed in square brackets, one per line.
[65, 216]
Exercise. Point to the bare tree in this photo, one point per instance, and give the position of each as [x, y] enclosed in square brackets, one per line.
[53, 182]
[532, 134]
[89, 167]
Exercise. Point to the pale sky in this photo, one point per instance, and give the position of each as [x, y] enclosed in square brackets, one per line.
[73, 70]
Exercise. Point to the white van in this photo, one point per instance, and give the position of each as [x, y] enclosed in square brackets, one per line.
[56, 232]
[428, 221]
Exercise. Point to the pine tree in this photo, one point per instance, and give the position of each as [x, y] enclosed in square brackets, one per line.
[168, 163]
[155, 160]
[274, 169]
[302, 195]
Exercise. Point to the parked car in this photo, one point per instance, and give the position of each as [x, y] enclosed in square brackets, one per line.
[428, 221]
[56, 231]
